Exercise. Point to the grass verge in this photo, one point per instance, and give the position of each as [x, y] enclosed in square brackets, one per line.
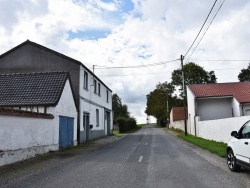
[138, 126]
[218, 148]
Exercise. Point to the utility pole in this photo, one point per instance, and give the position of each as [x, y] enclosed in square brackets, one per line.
[184, 94]
[94, 68]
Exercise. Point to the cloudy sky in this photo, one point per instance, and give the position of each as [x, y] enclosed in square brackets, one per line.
[118, 33]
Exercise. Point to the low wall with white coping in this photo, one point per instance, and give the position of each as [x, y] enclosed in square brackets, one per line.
[220, 130]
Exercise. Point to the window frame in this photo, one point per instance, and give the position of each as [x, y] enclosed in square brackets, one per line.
[99, 89]
[95, 86]
[85, 80]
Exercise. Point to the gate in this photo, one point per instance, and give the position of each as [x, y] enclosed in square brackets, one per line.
[66, 131]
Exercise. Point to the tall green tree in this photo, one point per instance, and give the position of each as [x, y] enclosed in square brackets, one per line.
[194, 74]
[119, 109]
[157, 101]
[244, 75]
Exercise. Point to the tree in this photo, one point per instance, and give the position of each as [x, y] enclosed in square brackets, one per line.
[119, 109]
[157, 101]
[244, 75]
[194, 74]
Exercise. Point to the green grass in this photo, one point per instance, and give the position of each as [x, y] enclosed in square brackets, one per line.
[128, 132]
[218, 148]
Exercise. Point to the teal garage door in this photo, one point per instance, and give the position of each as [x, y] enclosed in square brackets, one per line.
[66, 131]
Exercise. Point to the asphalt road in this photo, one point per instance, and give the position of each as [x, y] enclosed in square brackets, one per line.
[150, 157]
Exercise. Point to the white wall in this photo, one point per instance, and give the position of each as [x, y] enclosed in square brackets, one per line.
[91, 101]
[220, 130]
[65, 107]
[178, 125]
[236, 108]
[23, 137]
[191, 110]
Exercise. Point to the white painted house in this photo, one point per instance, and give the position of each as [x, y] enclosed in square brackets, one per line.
[37, 115]
[212, 102]
[93, 98]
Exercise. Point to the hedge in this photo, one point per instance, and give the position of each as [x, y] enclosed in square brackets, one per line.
[126, 124]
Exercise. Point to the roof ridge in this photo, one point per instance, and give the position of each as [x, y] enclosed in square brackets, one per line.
[218, 83]
[35, 73]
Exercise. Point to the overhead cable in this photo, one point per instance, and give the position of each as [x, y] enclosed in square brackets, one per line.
[201, 28]
[206, 30]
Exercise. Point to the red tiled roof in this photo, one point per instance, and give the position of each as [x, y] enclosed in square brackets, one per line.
[178, 113]
[12, 112]
[239, 90]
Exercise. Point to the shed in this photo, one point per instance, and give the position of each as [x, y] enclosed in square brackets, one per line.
[37, 115]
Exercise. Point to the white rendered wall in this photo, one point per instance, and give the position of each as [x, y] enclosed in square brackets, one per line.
[65, 107]
[91, 101]
[191, 111]
[178, 125]
[220, 130]
[91, 109]
[22, 138]
[236, 108]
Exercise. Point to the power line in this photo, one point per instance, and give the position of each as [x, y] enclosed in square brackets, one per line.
[222, 69]
[201, 28]
[206, 29]
[135, 74]
[137, 66]
[220, 59]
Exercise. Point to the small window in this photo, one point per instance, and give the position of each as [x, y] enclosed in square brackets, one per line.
[95, 87]
[85, 82]
[99, 89]
[97, 117]
[107, 96]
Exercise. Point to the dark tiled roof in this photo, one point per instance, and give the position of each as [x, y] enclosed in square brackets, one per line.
[178, 113]
[11, 112]
[32, 89]
[239, 90]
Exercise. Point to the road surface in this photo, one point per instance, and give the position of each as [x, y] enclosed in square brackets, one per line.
[149, 158]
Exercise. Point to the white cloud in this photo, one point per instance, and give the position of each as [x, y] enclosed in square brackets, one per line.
[155, 31]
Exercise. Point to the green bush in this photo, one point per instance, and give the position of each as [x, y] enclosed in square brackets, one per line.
[126, 124]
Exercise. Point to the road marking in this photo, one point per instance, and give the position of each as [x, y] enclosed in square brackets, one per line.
[140, 159]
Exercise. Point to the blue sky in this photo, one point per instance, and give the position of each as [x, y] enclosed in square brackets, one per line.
[115, 17]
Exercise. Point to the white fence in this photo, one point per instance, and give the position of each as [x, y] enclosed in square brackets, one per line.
[219, 130]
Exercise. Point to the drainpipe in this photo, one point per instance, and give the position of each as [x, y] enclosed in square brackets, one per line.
[242, 110]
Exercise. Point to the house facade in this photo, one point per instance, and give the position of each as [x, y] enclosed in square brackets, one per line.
[37, 115]
[217, 101]
[93, 98]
